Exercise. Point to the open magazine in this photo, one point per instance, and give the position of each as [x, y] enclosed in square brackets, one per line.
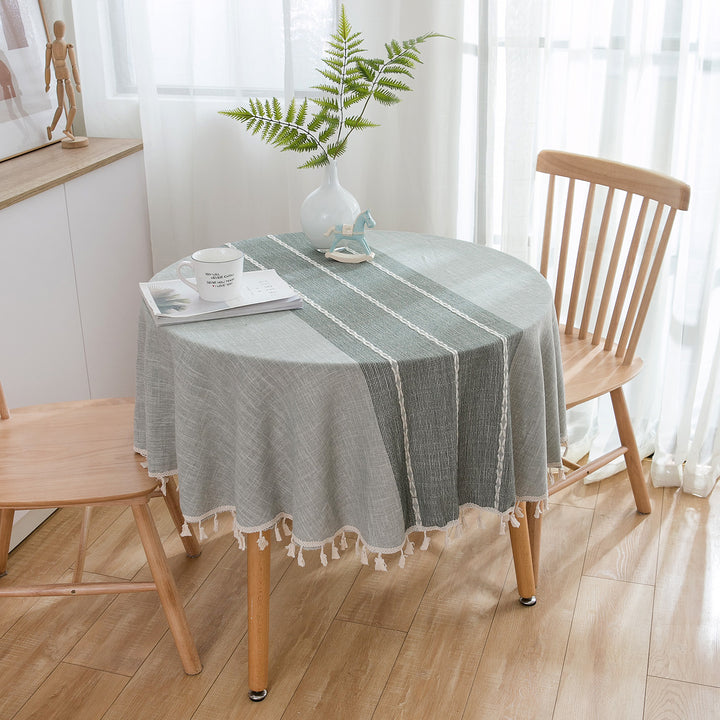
[172, 301]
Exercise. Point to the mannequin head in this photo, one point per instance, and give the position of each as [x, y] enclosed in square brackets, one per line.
[59, 29]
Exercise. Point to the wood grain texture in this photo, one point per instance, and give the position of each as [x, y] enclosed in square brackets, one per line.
[217, 614]
[348, 673]
[436, 666]
[522, 661]
[471, 652]
[73, 693]
[102, 557]
[111, 644]
[686, 618]
[623, 544]
[34, 646]
[27, 175]
[302, 607]
[673, 700]
[46, 555]
[609, 642]
[391, 599]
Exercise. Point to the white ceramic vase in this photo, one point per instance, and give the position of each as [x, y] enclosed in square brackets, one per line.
[331, 204]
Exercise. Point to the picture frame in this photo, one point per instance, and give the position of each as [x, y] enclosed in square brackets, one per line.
[26, 109]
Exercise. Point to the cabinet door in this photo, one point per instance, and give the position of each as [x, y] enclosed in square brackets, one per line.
[41, 342]
[109, 230]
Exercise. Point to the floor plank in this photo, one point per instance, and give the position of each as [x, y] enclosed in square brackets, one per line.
[114, 643]
[623, 544]
[391, 599]
[673, 700]
[605, 668]
[522, 661]
[302, 608]
[627, 624]
[434, 672]
[72, 692]
[46, 555]
[686, 623]
[34, 646]
[348, 673]
[103, 557]
[217, 615]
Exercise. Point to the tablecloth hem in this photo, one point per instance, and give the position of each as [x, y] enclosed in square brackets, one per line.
[337, 541]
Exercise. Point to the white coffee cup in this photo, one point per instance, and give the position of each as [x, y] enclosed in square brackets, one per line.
[218, 273]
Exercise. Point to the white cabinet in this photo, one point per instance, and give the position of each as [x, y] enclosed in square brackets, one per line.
[74, 243]
[41, 341]
[72, 257]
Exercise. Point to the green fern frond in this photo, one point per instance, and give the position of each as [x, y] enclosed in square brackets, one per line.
[315, 161]
[385, 97]
[350, 78]
[359, 123]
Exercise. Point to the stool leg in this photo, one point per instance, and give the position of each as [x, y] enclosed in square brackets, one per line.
[522, 558]
[6, 524]
[167, 590]
[258, 599]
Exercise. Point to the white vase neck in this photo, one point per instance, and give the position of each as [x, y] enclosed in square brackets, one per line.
[331, 173]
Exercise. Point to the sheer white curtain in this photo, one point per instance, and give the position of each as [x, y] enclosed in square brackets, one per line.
[633, 80]
[636, 81]
[164, 69]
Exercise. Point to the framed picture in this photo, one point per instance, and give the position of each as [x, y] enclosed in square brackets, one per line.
[26, 109]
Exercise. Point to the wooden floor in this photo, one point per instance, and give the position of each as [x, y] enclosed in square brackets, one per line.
[627, 624]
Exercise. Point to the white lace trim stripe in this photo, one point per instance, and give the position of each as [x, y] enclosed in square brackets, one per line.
[398, 387]
[506, 373]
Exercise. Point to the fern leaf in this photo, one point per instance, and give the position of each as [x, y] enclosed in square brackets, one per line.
[359, 123]
[385, 97]
[316, 161]
[331, 75]
[393, 83]
[302, 113]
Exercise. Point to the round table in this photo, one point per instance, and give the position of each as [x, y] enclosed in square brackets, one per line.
[404, 390]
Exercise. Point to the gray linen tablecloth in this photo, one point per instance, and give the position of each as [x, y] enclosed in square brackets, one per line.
[404, 390]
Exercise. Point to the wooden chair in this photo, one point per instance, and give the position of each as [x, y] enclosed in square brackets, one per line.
[610, 282]
[81, 454]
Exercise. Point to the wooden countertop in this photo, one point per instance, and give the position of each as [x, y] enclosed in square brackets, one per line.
[27, 175]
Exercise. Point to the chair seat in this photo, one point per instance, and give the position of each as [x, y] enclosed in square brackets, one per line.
[589, 371]
[69, 454]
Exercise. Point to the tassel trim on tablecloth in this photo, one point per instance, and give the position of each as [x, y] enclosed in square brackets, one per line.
[331, 548]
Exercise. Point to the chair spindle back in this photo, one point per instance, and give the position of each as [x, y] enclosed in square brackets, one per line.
[625, 292]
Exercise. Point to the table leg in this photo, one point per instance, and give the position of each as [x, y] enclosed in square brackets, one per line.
[535, 532]
[258, 597]
[522, 558]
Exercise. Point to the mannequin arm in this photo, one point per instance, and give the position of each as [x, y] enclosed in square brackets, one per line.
[73, 65]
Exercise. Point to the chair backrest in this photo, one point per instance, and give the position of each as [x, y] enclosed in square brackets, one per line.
[598, 290]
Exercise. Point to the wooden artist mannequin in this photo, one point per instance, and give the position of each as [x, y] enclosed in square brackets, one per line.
[60, 53]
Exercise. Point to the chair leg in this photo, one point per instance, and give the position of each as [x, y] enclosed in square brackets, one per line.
[522, 559]
[258, 599]
[172, 500]
[535, 533]
[6, 524]
[82, 550]
[167, 590]
[632, 456]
